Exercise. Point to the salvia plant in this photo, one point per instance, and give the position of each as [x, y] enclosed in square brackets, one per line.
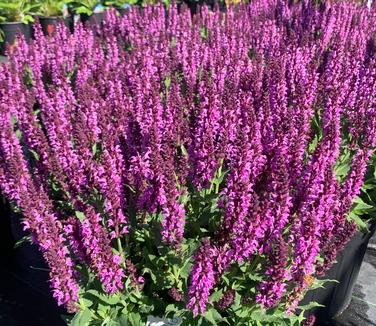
[17, 11]
[52, 8]
[120, 4]
[87, 7]
[201, 168]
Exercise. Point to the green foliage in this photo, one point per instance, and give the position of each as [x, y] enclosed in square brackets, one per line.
[316, 127]
[118, 4]
[80, 216]
[319, 284]
[52, 8]
[83, 318]
[343, 164]
[22, 241]
[85, 6]
[18, 11]
[204, 32]
[364, 206]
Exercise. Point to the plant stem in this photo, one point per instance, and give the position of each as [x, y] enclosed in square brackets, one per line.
[121, 251]
[254, 263]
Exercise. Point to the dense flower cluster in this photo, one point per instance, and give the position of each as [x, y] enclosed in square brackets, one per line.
[98, 126]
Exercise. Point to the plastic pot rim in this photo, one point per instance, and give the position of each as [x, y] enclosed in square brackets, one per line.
[15, 23]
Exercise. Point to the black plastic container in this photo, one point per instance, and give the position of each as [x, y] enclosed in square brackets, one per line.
[49, 24]
[194, 5]
[10, 31]
[123, 11]
[24, 275]
[94, 20]
[337, 296]
[7, 240]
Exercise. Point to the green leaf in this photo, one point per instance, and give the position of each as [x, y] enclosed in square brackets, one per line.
[35, 154]
[312, 146]
[19, 134]
[23, 240]
[94, 149]
[171, 308]
[310, 305]
[216, 296]
[112, 322]
[254, 277]
[320, 283]
[85, 303]
[213, 316]
[121, 321]
[368, 185]
[277, 317]
[361, 205]
[112, 299]
[237, 302]
[184, 150]
[167, 82]
[362, 226]
[342, 169]
[82, 318]
[83, 10]
[14, 120]
[226, 280]
[204, 32]
[242, 312]
[243, 268]
[135, 319]
[80, 216]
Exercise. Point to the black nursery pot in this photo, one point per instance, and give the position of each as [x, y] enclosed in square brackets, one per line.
[337, 296]
[193, 5]
[49, 24]
[7, 240]
[10, 31]
[123, 11]
[24, 277]
[93, 20]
